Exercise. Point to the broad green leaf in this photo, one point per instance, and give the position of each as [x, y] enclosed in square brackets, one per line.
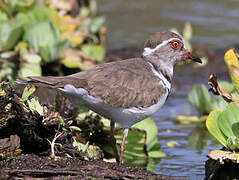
[96, 24]
[31, 66]
[3, 16]
[200, 98]
[28, 92]
[228, 86]
[142, 136]
[9, 34]
[44, 38]
[38, 15]
[42, 34]
[94, 51]
[213, 128]
[217, 102]
[227, 118]
[151, 130]
[235, 129]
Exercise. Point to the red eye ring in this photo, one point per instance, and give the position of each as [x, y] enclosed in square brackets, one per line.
[175, 44]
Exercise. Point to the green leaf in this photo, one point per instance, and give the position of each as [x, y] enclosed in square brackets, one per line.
[38, 15]
[227, 118]
[235, 129]
[28, 91]
[31, 66]
[35, 105]
[217, 102]
[3, 16]
[151, 129]
[142, 136]
[94, 51]
[10, 34]
[96, 24]
[213, 128]
[75, 128]
[228, 86]
[200, 98]
[44, 38]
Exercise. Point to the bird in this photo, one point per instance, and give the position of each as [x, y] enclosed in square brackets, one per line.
[127, 91]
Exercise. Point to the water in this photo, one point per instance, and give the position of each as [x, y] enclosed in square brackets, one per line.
[130, 22]
[215, 24]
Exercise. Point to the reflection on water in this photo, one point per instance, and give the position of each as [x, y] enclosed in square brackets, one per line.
[130, 22]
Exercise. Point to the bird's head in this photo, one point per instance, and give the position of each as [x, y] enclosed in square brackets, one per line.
[167, 46]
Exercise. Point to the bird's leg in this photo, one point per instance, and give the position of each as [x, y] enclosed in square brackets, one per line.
[113, 140]
[122, 146]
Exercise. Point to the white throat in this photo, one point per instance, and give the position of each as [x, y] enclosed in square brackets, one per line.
[163, 80]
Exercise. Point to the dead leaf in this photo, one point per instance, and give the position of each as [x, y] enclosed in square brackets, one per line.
[8, 146]
[217, 89]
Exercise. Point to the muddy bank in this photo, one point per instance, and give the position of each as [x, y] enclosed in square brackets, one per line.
[33, 166]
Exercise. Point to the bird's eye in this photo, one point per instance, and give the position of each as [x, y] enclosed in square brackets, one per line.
[175, 44]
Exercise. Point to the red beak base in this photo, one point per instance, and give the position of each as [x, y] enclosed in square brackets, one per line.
[188, 55]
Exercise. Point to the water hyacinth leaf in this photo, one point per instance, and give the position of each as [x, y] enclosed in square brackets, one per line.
[44, 38]
[232, 143]
[31, 66]
[39, 15]
[28, 91]
[217, 102]
[42, 34]
[94, 51]
[10, 33]
[235, 129]
[59, 48]
[199, 97]
[228, 86]
[141, 142]
[213, 128]
[227, 118]
[3, 16]
[151, 130]
[232, 62]
[96, 24]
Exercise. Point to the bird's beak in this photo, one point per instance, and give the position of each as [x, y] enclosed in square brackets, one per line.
[188, 55]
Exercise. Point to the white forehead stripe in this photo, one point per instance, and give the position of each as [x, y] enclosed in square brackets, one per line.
[148, 51]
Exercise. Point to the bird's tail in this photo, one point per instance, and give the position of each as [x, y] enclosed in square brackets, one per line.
[47, 81]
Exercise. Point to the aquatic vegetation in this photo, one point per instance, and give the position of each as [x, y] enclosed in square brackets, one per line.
[224, 124]
[142, 139]
[200, 98]
[36, 32]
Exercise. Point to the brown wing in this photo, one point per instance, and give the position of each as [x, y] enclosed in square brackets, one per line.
[130, 84]
[119, 84]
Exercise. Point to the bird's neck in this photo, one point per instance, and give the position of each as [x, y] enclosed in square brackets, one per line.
[162, 66]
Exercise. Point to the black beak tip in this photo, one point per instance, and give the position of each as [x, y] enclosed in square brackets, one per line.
[196, 59]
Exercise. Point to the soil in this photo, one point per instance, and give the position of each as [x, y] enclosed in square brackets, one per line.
[31, 166]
